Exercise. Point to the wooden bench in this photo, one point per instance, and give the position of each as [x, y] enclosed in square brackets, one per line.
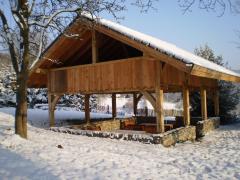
[128, 124]
[91, 127]
[168, 127]
[152, 128]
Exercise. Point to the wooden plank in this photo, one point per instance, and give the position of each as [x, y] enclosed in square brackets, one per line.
[186, 106]
[159, 98]
[114, 105]
[94, 47]
[203, 93]
[104, 63]
[131, 75]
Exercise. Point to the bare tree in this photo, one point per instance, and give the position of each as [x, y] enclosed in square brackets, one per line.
[219, 6]
[24, 26]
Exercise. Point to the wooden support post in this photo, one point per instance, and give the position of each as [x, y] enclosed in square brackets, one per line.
[52, 101]
[135, 103]
[146, 111]
[87, 108]
[159, 98]
[94, 47]
[203, 93]
[186, 106]
[136, 99]
[114, 105]
[216, 102]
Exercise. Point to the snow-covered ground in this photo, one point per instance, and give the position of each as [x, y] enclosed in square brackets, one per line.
[216, 157]
[39, 117]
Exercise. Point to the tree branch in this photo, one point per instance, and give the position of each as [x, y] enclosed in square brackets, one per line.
[50, 18]
[10, 41]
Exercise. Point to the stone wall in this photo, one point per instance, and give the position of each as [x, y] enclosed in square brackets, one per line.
[203, 127]
[166, 139]
[178, 135]
[107, 129]
[109, 125]
[102, 124]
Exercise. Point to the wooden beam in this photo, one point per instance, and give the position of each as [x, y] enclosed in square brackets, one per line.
[142, 47]
[103, 63]
[186, 106]
[159, 99]
[135, 103]
[203, 93]
[94, 47]
[87, 108]
[136, 99]
[114, 105]
[216, 102]
[146, 111]
[150, 98]
[52, 101]
[51, 51]
[86, 43]
[41, 71]
[209, 73]
[139, 97]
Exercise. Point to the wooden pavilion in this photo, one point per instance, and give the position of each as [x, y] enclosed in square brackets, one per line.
[110, 58]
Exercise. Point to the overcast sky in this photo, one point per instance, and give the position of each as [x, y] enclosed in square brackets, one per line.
[189, 30]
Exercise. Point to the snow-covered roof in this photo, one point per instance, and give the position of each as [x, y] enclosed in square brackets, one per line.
[162, 46]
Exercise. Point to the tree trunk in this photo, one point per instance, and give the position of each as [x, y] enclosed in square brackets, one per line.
[21, 109]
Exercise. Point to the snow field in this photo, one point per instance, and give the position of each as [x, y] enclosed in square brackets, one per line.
[217, 156]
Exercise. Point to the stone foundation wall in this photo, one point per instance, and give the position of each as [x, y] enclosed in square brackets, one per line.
[166, 139]
[169, 138]
[203, 127]
[178, 135]
[109, 125]
[104, 125]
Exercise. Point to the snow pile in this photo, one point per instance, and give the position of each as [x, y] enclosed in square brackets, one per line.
[79, 157]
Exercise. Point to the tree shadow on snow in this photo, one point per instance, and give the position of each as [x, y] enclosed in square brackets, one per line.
[14, 166]
[232, 126]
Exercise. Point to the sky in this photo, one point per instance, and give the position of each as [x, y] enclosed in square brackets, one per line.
[190, 30]
[187, 31]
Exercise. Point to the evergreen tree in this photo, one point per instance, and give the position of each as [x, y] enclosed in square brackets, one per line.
[74, 101]
[37, 96]
[7, 87]
[229, 93]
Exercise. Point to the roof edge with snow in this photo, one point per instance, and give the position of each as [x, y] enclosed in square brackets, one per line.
[158, 45]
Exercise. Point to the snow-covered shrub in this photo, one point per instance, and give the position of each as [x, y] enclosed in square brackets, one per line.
[7, 87]
[37, 96]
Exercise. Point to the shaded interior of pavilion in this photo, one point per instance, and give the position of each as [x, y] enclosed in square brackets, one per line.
[143, 119]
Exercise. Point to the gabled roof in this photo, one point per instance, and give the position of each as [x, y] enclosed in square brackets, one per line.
[163, 47]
